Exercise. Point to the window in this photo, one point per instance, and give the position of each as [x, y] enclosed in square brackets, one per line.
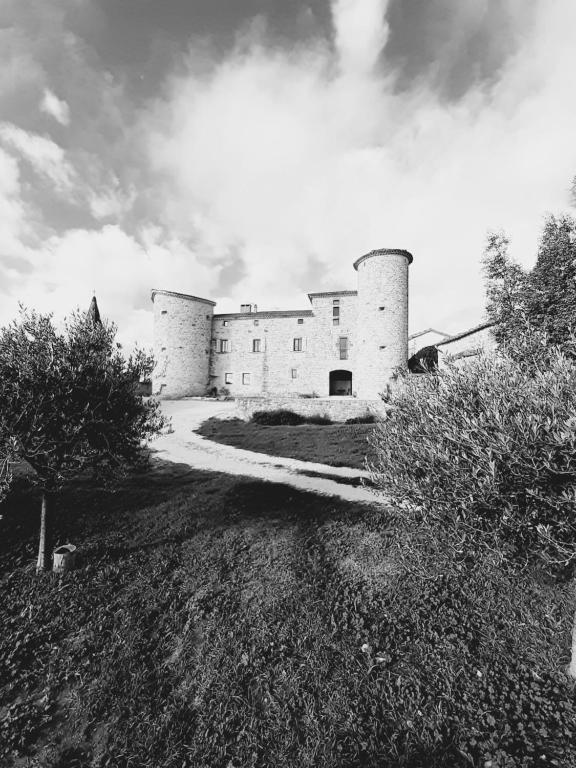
[224, 345]
[164, 312]
[297, 345]
[245, 378]
[335, 301]
[227, 378]
[224, 322]
[335, 321]
[335, 311]
[256, 322]
[294, 373]
[343, 345]
[256, 345]
[300, 321]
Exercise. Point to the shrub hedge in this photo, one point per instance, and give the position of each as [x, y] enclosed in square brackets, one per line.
[284, 417]
[491, 446]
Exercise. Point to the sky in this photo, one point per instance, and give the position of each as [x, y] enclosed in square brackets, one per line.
[250, 151]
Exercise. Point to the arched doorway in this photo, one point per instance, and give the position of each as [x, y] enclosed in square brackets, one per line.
[341, 383]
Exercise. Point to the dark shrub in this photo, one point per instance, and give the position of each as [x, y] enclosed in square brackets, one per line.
[321, 420]
[277, 418]
[368, 418]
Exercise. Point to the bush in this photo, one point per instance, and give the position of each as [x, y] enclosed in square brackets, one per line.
[320, 420]
[489, 447]
[277, 418]
[284, 417]
[368, 418]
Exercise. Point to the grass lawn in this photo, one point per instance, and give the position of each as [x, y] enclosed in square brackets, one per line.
[340, 445]
[220, 622]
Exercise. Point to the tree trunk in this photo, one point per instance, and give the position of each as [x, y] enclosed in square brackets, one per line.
[43, 563]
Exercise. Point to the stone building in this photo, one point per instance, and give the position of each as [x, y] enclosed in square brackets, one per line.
[348, 343]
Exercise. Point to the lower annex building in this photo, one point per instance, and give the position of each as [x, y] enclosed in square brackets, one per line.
[348, 343]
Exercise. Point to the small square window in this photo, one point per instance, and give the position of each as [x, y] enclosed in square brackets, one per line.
[294, 373]
[300, 321]
[224, 322]
[297, 345]
[255, 345]
[227, 378]
[335, 301]
[245, 378]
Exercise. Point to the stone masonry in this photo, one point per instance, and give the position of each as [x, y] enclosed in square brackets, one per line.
[348, 343]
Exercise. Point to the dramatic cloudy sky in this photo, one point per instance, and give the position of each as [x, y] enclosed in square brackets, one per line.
[250, 150]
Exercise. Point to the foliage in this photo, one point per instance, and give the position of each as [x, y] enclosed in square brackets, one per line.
[241, 623]
[369, 418]
[488, 447]
[68, 400]
[278, 417]
[320, 421]
[69, 404]
[424, 360]
[544, 297]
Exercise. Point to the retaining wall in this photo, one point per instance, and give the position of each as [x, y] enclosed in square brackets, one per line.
[334, 408]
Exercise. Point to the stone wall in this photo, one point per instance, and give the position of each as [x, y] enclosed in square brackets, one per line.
[277, 369]
[182, 333]
[464, 347]
[382, 337]
[334, 408]
[361, 345]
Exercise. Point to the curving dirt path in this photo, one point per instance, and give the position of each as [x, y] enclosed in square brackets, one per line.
[184, 446]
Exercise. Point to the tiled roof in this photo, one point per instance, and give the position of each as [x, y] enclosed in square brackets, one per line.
[258, 315]
[181, 296]
[463, 335]
[331, 293]
[384, 252]
[428, 330]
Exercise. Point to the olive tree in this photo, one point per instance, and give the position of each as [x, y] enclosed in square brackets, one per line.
[68, 404]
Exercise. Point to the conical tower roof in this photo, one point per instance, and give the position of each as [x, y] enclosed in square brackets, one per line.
[94, 312]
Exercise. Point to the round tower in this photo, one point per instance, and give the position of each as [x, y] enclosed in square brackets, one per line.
[182, 338]
[382, 325]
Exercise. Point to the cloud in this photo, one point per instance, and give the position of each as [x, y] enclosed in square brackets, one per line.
[44, 155]
[55, 107]
[317, 154]
[261, 174]
[360, 33]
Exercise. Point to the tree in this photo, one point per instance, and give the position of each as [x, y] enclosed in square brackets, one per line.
[68, 404]
[505, 288]
[543, 299]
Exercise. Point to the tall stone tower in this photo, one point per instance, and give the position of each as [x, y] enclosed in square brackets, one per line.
[182, 338]
[382, 324]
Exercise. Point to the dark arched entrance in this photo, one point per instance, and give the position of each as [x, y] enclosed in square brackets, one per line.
[341, 383]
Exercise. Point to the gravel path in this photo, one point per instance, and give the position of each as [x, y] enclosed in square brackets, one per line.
[184, 446]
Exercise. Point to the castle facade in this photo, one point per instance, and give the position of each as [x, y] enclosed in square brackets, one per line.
[348, 343]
